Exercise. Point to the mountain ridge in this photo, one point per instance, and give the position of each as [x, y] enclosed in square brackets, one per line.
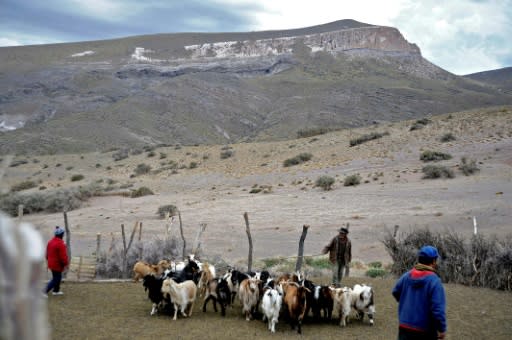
[221, 88]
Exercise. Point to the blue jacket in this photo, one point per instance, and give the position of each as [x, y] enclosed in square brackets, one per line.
[421, 301]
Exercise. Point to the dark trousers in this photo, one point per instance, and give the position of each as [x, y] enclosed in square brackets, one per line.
[54, 282]
[406, 334]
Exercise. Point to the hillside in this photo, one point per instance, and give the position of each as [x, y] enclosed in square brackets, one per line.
[501, 78]
[220, 88]
[211, 188]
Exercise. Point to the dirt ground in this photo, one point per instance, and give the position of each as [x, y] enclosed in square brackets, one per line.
[217, 191]
[122, 311]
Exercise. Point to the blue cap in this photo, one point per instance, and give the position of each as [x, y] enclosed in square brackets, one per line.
[59, 231]
[428, 252]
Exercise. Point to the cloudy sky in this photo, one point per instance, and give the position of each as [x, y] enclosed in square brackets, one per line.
[461, 36]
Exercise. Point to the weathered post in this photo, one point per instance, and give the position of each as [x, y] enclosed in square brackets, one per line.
[249, 237]
[124, 250]
[98, 244]
[197, 243]
[300, 256]
[20, 212]
[182, 237]
[68, 238]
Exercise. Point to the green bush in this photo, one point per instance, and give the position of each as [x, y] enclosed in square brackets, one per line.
[142, 191]
[447, 137]
[226, 154]
[316, 262]
[368, 137]
[193, 165]
[428, 156]
[142, 169]
[169, 208]
[325, 182]
[376, 272]
[468, 168]
[300, 158]
[376, 264]
[437, 171]
[352, 180]
[77, 177]
[25, 185]
[120, 154]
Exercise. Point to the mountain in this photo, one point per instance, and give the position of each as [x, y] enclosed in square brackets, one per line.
[501, 78]
[220, 88]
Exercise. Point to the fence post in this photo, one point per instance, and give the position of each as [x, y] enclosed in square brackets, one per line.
[197, 243]
[182, 237]
[298, 264]
[20, 212]
[124, 250]
[98, 243]
[68, 239]
[249, 237]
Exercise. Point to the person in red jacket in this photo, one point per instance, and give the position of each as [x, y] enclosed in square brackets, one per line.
[57, 257]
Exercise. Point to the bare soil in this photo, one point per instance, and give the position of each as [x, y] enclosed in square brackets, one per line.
[217, 191]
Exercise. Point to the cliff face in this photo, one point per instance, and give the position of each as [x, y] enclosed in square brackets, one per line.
[379, 38]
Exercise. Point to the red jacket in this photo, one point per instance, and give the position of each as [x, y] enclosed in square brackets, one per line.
[57, 254]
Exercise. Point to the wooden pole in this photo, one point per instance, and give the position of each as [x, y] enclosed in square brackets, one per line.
[249, 237]
[200, 231]
[298, 264]
[98, 243]
[124, 251]
[68, 235]
[20, 212]
[182, 237]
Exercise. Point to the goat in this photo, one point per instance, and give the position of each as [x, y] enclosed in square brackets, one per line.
[295, 303]
[183, 295]
[363, 302]
[204, 279]
[153, 286]
[234, 278]
[141, 269]
[218, 291]
[342, 303]
[249, 296]
[271, 306]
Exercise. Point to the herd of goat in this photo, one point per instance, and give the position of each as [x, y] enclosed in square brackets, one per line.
[173, 287]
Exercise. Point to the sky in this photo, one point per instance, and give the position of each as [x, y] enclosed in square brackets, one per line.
[461, 36]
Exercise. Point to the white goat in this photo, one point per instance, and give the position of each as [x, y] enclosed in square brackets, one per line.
[342, 303]
[271, 306]
[182, 295]
[362, 301]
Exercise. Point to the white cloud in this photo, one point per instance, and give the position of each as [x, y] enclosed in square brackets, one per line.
[9, 42]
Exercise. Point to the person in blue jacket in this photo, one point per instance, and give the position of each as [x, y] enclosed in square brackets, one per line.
[421, 299]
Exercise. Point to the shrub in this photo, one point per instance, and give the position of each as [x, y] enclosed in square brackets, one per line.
[25, 185]
[18, 162]
[69, 168]
[368, 137]
[226, 154]
[376, 272]
[419, 124]
[352, 180]
[300, 158]
[312, 132]
[48, 201]
[437, 171]
[481, 261]
[468, 168]
[428, 155]
[193, 165]
[142, 191]
[325, 182]
[255, 190]
[120, 154]
[447, 137]
[78, 177]
[142, 169]
[151, 154]
[320, 263]
[169, 208]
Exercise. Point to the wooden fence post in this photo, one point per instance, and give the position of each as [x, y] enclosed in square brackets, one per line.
[124, 251]
[182, 237]
[20, 212]
[98, 244]
[298, 264]
[197, 243]
[68, 238]
[249, 237]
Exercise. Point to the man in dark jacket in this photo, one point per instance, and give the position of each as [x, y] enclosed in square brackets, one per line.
[57, 257]
[421, 299]
[340, 255]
